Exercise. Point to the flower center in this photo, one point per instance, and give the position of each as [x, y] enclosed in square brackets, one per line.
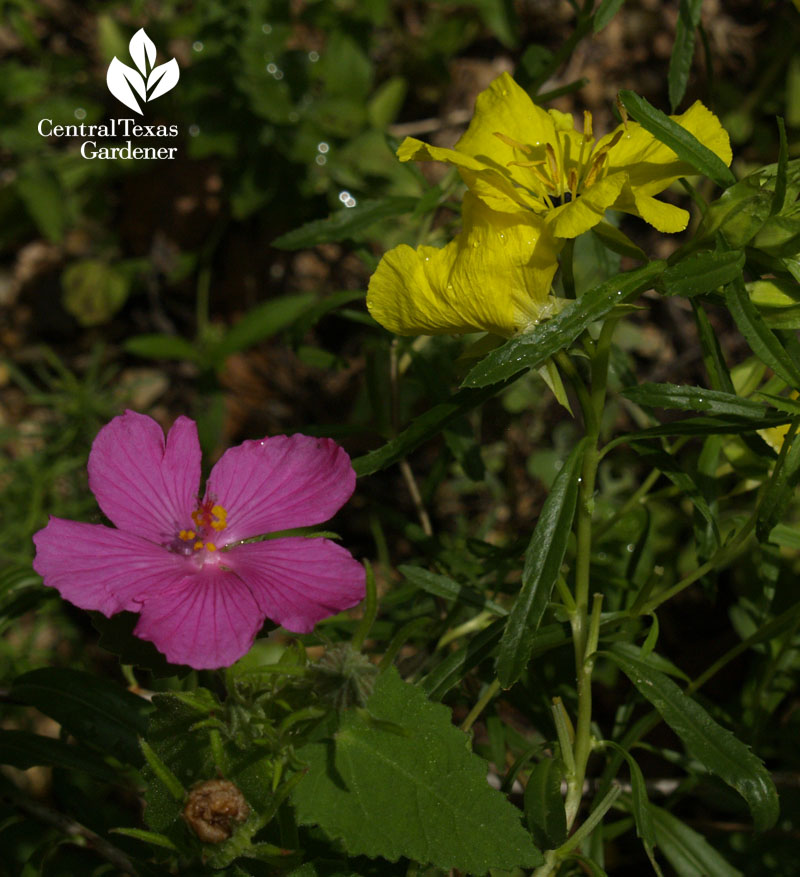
[558, 176]
[209, 519]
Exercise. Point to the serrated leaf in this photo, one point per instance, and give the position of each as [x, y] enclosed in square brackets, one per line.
[544, 806]
[442, 586]
[23, 750]
[687, 398]
[680, 62]
[88, 707]
[763, 342]
[702, 273]
[688, 852]
[711, 744]
[682, 142]
[543, 560]
[534, 348]
[425, 427]
[344, 223]
[421, 794]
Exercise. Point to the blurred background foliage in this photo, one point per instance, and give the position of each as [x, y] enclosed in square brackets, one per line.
[198, 286]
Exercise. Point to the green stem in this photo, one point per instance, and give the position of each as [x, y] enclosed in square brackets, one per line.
[480, 706]
[592, 407]
[567, 270]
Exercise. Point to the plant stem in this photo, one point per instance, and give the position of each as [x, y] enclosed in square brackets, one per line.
[592, 407]
[479, 707]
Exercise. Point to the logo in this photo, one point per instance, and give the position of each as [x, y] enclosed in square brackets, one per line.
[148, 81]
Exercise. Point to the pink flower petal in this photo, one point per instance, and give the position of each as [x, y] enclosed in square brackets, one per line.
[141, 483]
[299, 581]
[279, 483]
[206, 620]
[96, 567]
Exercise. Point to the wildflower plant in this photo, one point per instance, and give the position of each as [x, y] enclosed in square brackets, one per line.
[498, 690]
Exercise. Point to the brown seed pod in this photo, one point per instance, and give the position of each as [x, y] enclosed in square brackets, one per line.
[211, 809]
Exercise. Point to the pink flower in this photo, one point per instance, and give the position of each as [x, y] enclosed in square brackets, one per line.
[179, 562]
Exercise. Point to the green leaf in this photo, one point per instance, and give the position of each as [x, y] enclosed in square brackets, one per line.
[116, 635]
[262, 322]
[385, 104]
[680, 62]
[705, 272]
[711, 744]
[617, 241]
[420, 794]
[693, 399]
[93, 291]
[543, 560]
[425, 427]
[605, 12]
[23, 750]
[780, 488]
[534, 348]
[442, 586]
[714, 361]
[683, 143]
[344, 223]
[544, 806]
[701, 426]
[89, 707]
[452, 670]
[158, 346]
[688, 852]
[779, 194]
[668, 465]
[41, 193]
[763, 342]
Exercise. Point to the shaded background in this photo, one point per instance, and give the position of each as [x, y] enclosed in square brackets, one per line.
[158, 284]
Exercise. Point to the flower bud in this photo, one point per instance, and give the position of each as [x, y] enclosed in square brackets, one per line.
[211, 809]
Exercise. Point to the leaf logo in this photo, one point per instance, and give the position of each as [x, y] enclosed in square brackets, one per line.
[148, 82]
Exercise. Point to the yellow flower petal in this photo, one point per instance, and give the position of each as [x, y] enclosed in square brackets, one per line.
[494, 276]
[662, 216]
[575, 217]
[506, 108]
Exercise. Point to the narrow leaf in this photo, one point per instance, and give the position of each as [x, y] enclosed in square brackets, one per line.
[687, 398]
[683, 143]
[779, 195]
[605, 12]
[711, 744]
[780, 488]
[344, 223]
[543, 561]
[23, 750]
[91, 708]
[763, 342]
[425, 427]
[442, 586]
[702, 273]
[680, 62]
[534, 348]
[262, 322]
[617, 241]
[688, 852]
[544, 806]
[157, 346]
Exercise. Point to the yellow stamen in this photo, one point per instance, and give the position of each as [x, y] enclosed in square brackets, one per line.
[187, 535]
[509, 141]
[210, 546]
[555, 171]
[198, 545]
[573, 182]
[588, 133]
[222, 517]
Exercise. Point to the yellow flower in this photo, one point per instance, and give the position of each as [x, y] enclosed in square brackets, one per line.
[494, 276]
[515, 157]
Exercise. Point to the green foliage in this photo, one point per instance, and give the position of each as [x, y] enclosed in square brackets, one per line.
[369, 786]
